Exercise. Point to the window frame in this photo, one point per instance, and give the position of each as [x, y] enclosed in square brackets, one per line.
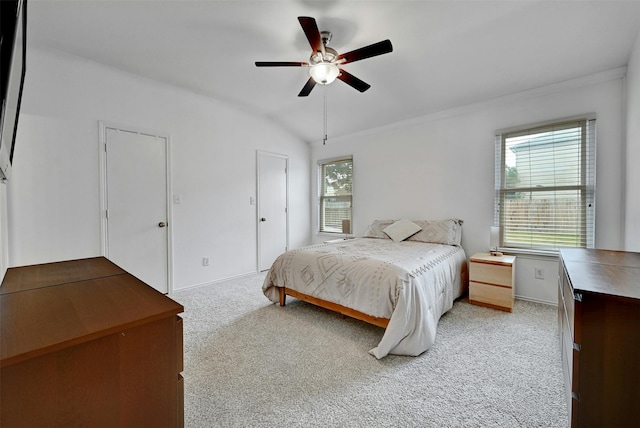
[321, 226]
[586, 188]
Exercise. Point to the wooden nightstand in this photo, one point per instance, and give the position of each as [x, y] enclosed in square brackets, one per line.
[492, 281]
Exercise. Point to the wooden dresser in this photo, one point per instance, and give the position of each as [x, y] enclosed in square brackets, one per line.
[599, 325]
[84, 343]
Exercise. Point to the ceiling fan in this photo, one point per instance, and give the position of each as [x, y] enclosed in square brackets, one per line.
[324, 63]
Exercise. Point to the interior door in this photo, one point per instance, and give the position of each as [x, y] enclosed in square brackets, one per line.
[137, 236]
[272, 208]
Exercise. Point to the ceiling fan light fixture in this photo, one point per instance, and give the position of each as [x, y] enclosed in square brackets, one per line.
[324, 72]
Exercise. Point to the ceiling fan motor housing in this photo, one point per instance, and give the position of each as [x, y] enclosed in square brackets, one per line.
[329, 54]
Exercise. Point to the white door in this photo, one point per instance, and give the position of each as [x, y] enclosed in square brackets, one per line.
[272, 208]
[136, 214]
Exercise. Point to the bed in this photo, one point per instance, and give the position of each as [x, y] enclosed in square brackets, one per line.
[403, 284]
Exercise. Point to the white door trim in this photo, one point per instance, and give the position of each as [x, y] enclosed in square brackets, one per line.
[258, 240]
[104, 240]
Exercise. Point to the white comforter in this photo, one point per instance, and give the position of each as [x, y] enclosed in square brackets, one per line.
[411, 283]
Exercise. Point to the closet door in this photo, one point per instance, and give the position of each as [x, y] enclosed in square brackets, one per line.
[272, 208]
[137, 226]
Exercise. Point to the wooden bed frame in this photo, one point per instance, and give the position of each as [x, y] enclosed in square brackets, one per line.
[343, 310]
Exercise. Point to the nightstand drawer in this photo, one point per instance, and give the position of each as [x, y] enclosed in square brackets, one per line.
[491, 295]
[491, 274]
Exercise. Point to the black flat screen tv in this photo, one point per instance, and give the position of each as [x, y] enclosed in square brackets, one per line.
[13, 50]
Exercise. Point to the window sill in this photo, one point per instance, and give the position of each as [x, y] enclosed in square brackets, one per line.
[528, 252]
[332, 234]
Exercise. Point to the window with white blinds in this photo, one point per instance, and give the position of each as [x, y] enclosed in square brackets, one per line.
[545, 185]
[336, 187]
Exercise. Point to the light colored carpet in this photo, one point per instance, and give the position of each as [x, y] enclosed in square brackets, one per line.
[249, 363]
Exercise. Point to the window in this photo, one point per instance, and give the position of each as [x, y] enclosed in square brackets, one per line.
[336, 178]
[545, 186]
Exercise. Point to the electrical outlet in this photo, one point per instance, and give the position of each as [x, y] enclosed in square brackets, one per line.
[205, 261]
[539, 273]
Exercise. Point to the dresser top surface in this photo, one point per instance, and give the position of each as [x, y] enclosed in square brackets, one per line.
[604, 257]
[615, 273]
[56, 314]
[30, 277]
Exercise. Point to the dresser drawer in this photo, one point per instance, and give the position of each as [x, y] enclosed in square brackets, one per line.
[491, 274]
[180, 404]
[180, 343]
[567, 365]
[491, 295]
[567, 350]
[569, 305]
[180, 359]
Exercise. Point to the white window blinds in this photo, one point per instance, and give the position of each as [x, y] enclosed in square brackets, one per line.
[336, 186]
[545, 186]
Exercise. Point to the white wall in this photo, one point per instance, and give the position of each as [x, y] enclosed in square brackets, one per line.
[443, 166]
[432, 167]
[632, 208]
[53, 194]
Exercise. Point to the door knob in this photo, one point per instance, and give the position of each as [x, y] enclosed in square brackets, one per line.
[263, 219]
[162, 224]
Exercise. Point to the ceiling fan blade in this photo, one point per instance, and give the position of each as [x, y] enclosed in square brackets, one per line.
[281, 64]
[306, 90]
[353, 81]
[310, 28]
[375, 49]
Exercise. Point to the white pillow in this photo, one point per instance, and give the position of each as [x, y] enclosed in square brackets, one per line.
[401, 230]
[375, 229]
[447, 231]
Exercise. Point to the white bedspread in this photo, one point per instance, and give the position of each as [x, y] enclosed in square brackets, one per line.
[411, 283]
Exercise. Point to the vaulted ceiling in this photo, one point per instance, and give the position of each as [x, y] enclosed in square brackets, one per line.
[447, 54]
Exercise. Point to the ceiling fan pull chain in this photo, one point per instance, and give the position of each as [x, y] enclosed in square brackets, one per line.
[324, 141]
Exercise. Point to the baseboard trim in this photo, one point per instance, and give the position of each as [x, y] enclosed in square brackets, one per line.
[544, 302]
[217, 281]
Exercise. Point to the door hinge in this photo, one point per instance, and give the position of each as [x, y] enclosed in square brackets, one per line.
[577, 297]
[106, 214]
[576, 346]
